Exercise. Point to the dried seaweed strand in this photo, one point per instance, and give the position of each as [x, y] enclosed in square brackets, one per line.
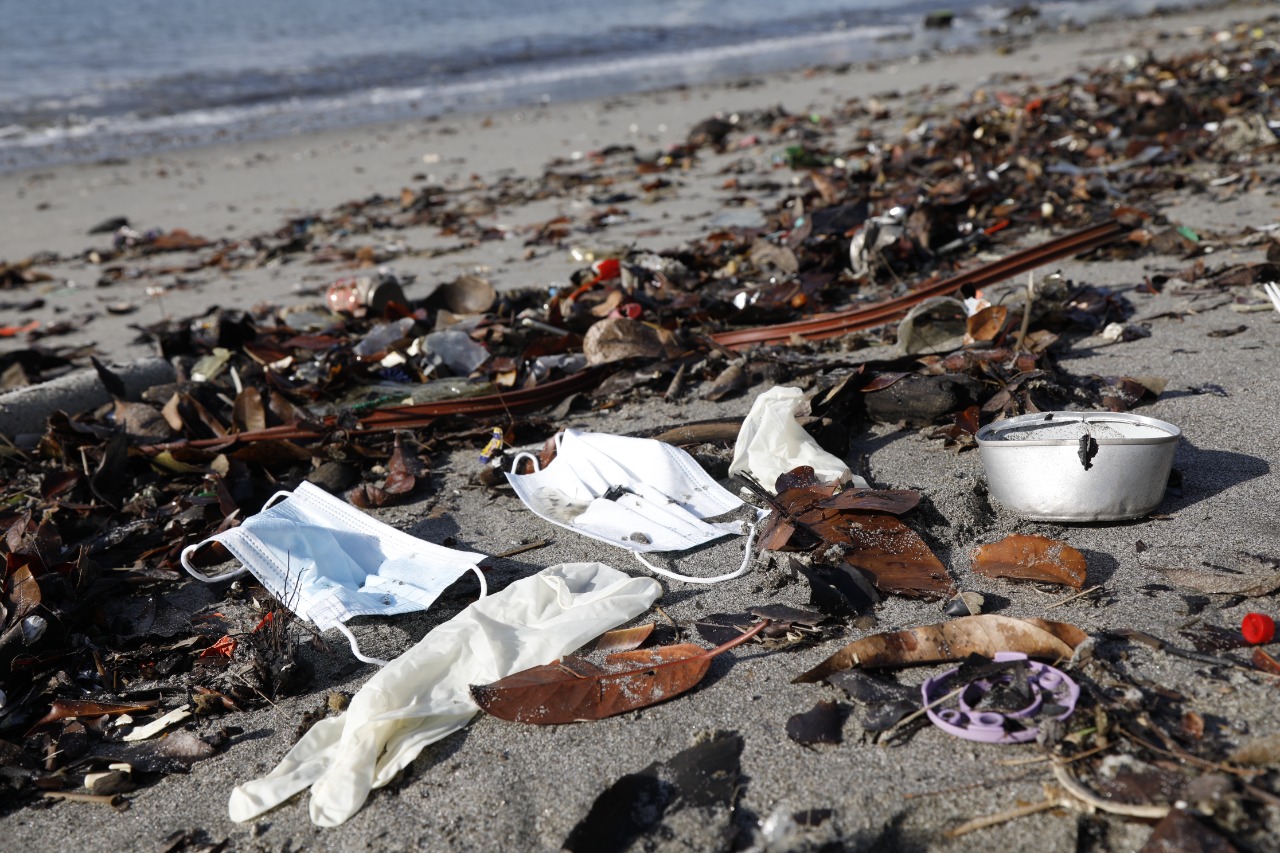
[1084, 795]
[1081, 594]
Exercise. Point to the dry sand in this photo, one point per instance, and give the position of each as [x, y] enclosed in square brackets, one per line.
[502, 786]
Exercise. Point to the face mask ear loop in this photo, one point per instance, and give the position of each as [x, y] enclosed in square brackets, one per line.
[355, 649]
[185, 559]
[276, 498]
[746, 561]
[515, 461]
[484, 586]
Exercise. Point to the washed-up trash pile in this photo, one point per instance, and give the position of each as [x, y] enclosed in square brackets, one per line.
[286, 423]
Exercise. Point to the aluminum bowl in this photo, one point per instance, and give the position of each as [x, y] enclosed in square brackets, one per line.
[1078, 466]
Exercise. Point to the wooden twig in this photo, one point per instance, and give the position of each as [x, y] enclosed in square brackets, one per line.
[113, 800]
[532, 546]
[1003, 817]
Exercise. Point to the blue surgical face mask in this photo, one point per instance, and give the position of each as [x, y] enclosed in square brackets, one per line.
[327, 561]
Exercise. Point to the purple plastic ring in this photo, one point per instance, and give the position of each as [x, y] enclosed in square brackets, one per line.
[1045, 682]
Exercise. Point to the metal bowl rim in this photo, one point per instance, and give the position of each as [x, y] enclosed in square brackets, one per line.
[982, 436]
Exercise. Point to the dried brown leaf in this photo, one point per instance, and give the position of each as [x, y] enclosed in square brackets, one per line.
[882, 381]
[895, 556]
[1222, 583]
[64, 709]
[404, 469]
[142, 423]
[624, 639]
[1031, 558]
[574, 689]
[955, 640]
[987, 324]
[368, 496]
[248, 413]
[895, 501]
[1179, 831]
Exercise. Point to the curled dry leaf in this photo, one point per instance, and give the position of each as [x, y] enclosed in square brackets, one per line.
[574, 689]
[955, 640]
[624, 639]
[403, 470]
[987, 324]
[248, 414]
[1031, 558]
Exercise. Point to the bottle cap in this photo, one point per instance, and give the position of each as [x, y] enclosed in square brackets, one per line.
[1258, 628]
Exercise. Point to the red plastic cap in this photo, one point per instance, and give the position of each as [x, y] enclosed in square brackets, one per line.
[1258, 628]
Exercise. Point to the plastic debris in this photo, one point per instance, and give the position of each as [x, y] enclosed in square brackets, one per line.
[771, 443]
[999, 704]
[1258, 628]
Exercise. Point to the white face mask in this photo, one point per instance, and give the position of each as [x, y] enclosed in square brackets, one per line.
[327, 561]
[634, 493]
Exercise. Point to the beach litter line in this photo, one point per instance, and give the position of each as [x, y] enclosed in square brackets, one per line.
[419, 415]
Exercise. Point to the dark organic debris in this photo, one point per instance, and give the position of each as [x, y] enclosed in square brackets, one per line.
[821, 724]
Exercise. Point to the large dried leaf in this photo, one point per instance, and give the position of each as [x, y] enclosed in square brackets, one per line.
[895, 501]
[574, 689]
[955, 640]
[24, 593]
[1031, 558]
[617, 338]
[894, 555]
[987, 324]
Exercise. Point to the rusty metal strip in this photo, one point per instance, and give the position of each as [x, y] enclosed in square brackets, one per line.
[866, 317]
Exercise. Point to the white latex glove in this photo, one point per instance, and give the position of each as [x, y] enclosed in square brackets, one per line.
[772, 442]
[422, 696]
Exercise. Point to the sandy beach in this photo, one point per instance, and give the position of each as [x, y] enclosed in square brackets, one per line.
[498, 785]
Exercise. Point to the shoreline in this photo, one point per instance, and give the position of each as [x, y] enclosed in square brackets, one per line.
[231, 193]
[168, 129]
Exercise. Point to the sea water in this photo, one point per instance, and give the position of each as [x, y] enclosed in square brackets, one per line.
[84, 81]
